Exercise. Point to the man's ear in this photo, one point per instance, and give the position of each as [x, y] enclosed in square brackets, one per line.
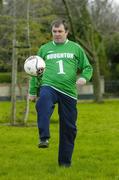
[67, 32]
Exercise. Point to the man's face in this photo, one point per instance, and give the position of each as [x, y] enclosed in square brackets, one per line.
[59, 34]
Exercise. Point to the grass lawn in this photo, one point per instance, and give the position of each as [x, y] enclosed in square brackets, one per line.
[96, 153]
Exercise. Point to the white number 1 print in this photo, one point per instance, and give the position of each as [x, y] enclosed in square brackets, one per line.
[61, 67]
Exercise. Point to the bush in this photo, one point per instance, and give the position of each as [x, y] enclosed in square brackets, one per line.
[5, 77]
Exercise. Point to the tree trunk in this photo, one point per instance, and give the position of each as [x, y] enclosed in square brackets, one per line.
[14, 69]
[97, 81]
[26, 108]
[29, 45]
[98, 97]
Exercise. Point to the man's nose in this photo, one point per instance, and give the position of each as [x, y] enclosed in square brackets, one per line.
[57, 33]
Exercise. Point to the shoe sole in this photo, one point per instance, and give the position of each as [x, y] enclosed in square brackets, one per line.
[42, 146]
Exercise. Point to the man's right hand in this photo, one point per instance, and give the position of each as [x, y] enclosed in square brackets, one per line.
[32, 98]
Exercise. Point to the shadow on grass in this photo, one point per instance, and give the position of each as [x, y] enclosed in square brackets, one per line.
[53, 121]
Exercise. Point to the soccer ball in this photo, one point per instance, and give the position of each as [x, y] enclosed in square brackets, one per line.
[34, 65]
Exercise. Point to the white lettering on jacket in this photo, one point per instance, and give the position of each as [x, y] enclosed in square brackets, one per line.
[60, 55]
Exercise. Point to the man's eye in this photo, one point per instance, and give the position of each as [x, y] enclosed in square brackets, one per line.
[57, 31]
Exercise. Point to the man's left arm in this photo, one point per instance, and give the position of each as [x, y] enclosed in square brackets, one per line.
[86, 69]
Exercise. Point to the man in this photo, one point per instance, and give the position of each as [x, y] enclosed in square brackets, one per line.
[63, 58]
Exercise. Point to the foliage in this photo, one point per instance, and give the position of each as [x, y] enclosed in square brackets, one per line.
[96, 153]
[105, 19]
[117, 71]
[112, 49]
[5, 43]
[40, 16]
[5, 77]
[105, 16]
[97, 17]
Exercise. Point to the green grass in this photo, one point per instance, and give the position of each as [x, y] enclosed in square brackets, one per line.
[96, 153]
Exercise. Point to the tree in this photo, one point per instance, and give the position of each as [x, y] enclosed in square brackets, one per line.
[105, 16]
[29, 45]
[90, 49]
[14, 68]
[112, 48]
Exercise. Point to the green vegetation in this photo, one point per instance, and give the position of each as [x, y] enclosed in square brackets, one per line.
[96, 154]
[33, 30]
[5, 77]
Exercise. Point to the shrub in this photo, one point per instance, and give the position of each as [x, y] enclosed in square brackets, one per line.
[5, 77]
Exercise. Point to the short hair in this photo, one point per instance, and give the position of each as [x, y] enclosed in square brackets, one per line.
[58, 22]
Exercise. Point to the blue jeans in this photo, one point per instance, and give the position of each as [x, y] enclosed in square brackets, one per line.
[67, 119]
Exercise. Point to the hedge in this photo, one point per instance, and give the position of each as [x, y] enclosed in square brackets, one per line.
[5, 77]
